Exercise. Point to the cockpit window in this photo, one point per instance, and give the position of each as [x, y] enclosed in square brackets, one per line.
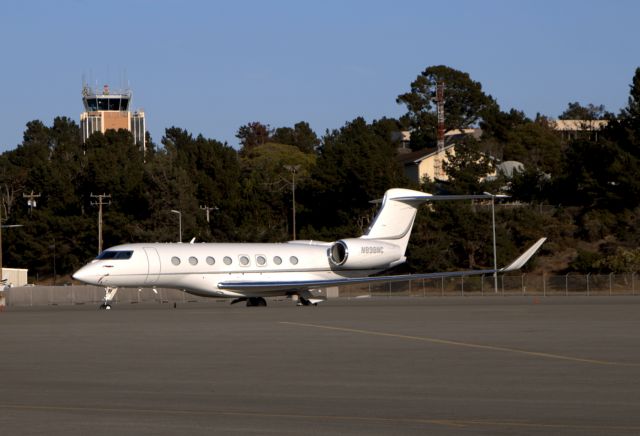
[113, 254]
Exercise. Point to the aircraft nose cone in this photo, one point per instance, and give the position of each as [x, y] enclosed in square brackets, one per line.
[80, 275]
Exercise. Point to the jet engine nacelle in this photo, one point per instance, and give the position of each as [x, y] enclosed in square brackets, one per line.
[364, 253]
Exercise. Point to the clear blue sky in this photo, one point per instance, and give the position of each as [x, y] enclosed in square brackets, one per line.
[210, 67]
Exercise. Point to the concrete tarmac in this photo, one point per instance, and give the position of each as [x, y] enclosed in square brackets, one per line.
[449, 366]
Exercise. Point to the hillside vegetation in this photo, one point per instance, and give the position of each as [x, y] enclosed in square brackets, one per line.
[582, 192]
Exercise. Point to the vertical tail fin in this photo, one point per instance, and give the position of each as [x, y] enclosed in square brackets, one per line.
[394, 220]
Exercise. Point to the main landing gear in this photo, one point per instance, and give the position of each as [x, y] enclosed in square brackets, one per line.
[251, 301]
[304, 302]
[256, 301]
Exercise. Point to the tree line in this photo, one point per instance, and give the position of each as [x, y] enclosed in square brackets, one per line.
[581, 192]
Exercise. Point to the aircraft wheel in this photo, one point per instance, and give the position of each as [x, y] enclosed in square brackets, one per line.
[256, 301]
[304, 302]
[105, 306]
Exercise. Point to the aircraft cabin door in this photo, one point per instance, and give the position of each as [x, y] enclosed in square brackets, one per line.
[153, 258]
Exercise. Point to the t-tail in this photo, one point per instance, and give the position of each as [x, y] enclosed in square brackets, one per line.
[384, 243]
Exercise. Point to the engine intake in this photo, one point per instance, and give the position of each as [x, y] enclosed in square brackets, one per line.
[363, 253]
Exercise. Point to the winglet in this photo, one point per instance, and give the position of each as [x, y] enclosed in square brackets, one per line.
[524, 258]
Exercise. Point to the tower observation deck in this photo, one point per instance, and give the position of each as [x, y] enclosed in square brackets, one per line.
[106, 109]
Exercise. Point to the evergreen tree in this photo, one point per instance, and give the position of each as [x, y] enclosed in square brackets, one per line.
[355, 165]
[464, 103]
[300, 136]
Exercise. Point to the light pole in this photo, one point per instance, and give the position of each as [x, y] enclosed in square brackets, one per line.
[293, 169]
[54, 260]
[495, 256]
[179, 223]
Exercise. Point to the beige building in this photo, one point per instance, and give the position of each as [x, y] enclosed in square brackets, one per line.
[426, 163]
[429, 162]
[571, 128]
[106, 110]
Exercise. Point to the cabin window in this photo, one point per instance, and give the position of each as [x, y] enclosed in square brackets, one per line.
[293, 260]
[277, 260]
[244, 260]
[210, 260]
[175, 260]
[261, 260]
[227, 260]
[193, 260]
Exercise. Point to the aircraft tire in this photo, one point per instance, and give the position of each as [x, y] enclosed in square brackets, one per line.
[256, 301]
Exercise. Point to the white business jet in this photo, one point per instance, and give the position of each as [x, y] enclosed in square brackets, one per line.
[251, 271]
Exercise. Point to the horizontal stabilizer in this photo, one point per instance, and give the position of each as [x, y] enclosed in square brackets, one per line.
[428, 197]
[445, 197]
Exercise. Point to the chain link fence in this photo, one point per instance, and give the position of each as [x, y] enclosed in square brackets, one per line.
[94, 295]
[521, 284]
[508, 285]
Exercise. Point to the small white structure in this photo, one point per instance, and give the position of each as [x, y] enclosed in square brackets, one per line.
[15, 276]
[509, 168]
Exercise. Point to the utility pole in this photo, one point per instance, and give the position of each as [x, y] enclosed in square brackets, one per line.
[293, 169]
[207, 209]
[439, 170]
[100, 202]
[31, 202]
[177, 212]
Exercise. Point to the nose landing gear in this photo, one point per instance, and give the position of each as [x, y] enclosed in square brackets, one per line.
[109, 293]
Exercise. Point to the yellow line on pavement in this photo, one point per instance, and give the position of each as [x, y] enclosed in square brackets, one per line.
[464, 344]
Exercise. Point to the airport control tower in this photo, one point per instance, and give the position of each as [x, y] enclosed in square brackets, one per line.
[106, 109]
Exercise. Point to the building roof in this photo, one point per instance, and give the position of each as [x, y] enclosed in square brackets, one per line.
[578, 125]
[475, 132]
[416, 157]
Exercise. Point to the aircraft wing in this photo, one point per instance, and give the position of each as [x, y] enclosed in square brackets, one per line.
[322, 283]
